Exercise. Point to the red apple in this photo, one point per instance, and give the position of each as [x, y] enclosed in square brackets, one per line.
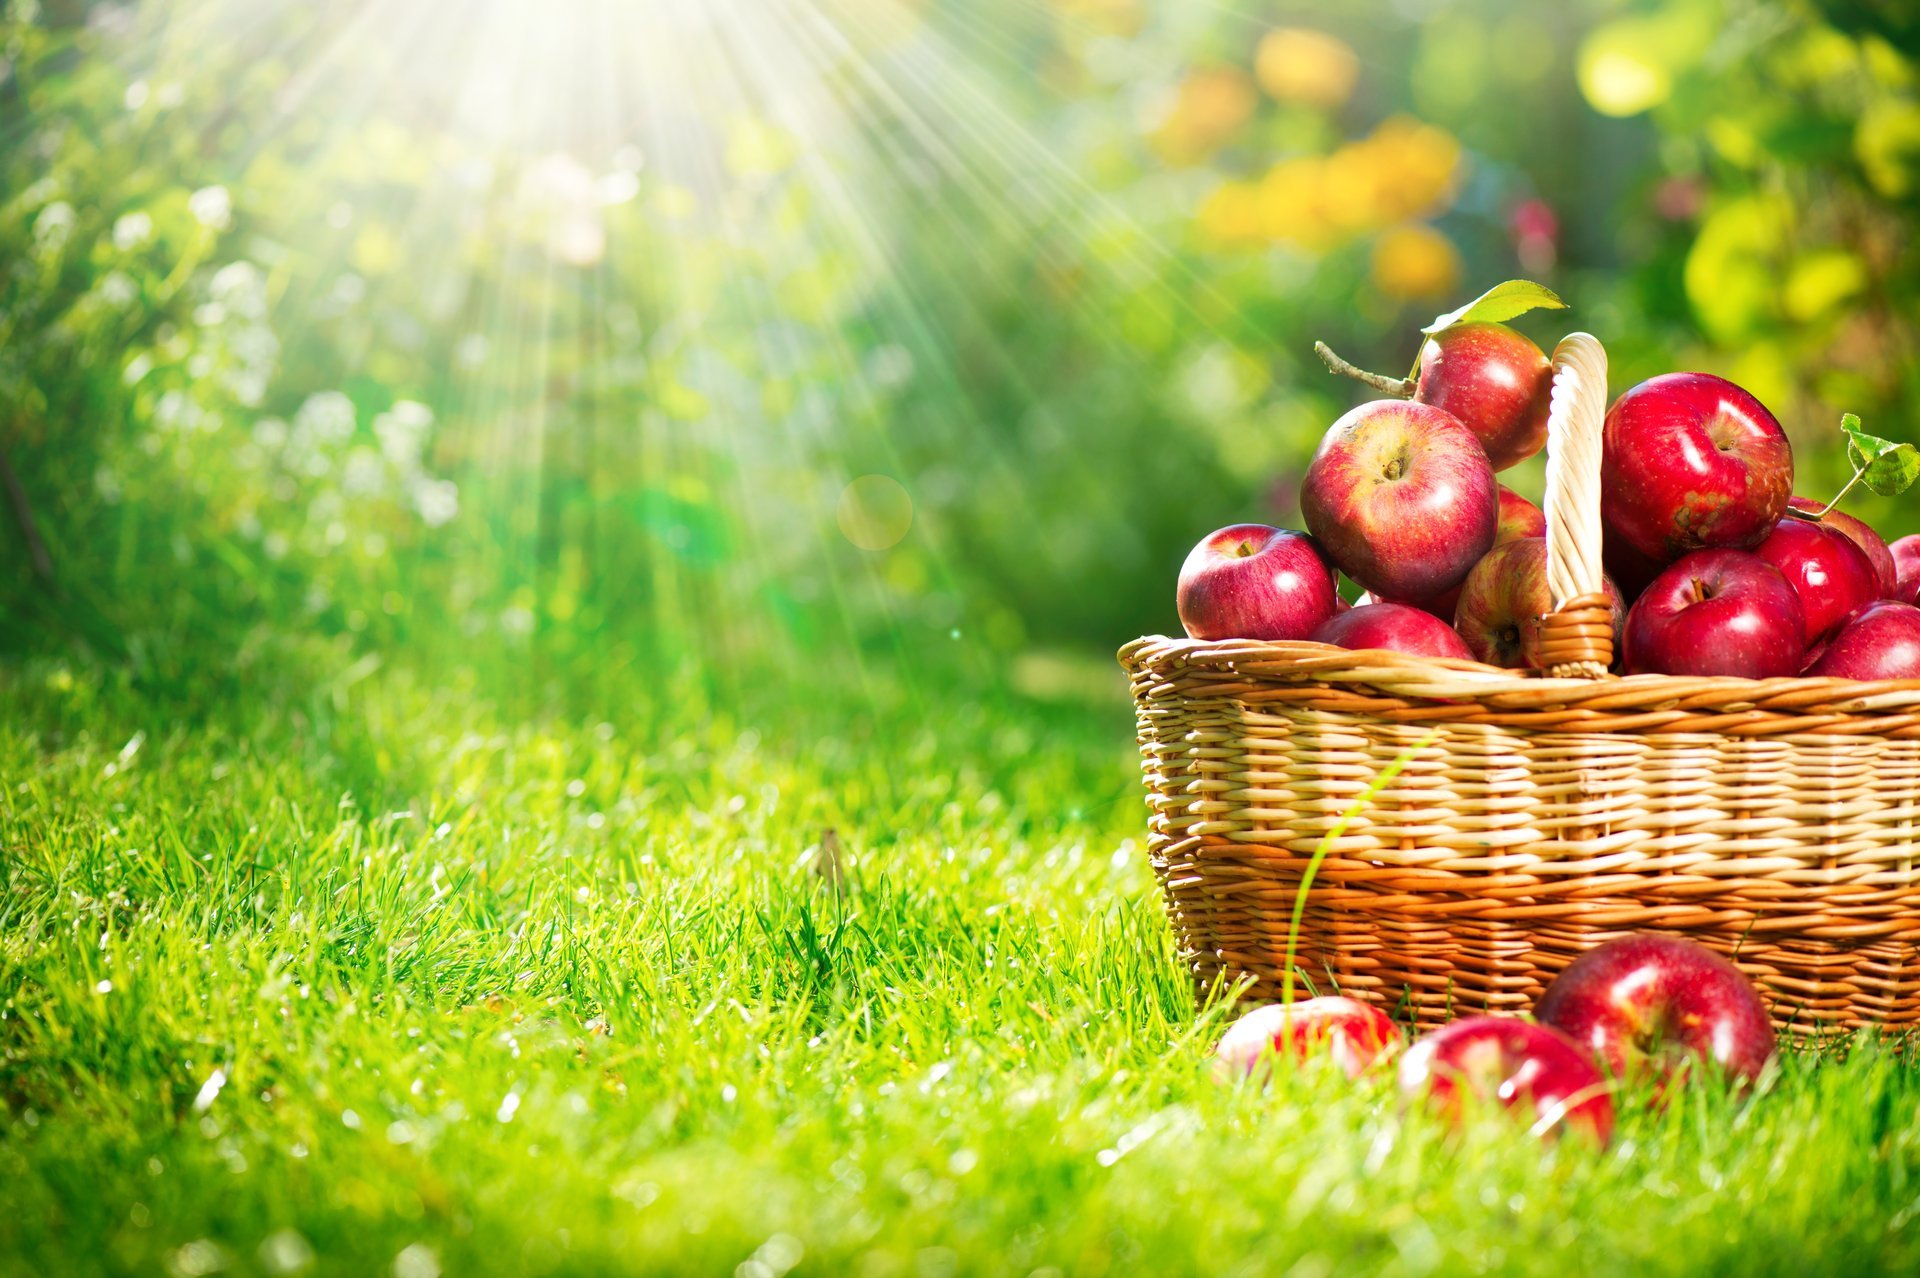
[1496, 381]
[1717, 612]
[1881, 641]
[1255, 582]
[1503, 600]
[1402, 497]
[1532, 1069]
[1354, 1035]
[1906, 564]
[1653, 1004]
[1691, 461]
[1518, 518]
[1395, 628]
[1861, 534]
[1631, 571]
[1833, 576]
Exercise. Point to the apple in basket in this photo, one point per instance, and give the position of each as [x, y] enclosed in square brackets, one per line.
[1402, 497]
[1658, 1005]
[1881, 641]
[1518, 518]
[1533, 1071]
[1833, 577]
[1395, 628]
[1717, 612]
[1250, 581]
[1505, 597]
[1861, 534]
[1906, 563]
[1352, 1034]
[1496, 381]
[1690, 461]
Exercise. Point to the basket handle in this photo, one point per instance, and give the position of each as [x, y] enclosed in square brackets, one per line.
[1576, 638]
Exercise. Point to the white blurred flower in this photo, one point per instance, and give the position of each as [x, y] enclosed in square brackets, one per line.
[136, 95]
[364, 475]
[212, 206]
[326, 417]
[117, 289]
[402, 432]
[437, 500]
[517, 620]
[270, 433]
[131, 230]
[241, 288]
[52, 228]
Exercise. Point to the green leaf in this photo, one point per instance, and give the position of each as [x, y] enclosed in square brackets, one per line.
[1499, 303]
[1888, 468]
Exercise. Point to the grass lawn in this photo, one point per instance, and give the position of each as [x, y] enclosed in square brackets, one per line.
[375, 977]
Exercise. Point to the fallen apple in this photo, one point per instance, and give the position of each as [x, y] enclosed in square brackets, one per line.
[1250, 581]
[1353, 1035]
[1717, 612]
[1393, 627]
[1657, 1005]
[1532, 1070]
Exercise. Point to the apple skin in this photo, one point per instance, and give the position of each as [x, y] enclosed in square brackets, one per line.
[1631, 571]
[1518, 518]
[1534, 1069]
[1831, 574]
[1717, 612]
[1249, 581]
[1652, 1005]
[1689, 461]
[1861, 534]
[1496, 381]
[1881, 641]
[1402, 497]
[1354, 1035]
[1906, 562]
[1394, 628]
[1503, 600]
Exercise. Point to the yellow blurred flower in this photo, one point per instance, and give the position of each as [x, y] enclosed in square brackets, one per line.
[1109, 17]
[1231, 215]
[1413, 262]
[1209, 108]
[1305, 67]
[1291, 201]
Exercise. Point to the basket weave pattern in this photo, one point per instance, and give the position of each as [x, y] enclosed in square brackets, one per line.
[1773, 821]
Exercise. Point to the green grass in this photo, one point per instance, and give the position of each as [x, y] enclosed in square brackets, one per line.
[372, 977]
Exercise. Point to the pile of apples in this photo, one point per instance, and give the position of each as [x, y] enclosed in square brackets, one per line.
[1714, 566]
[1646, 1011]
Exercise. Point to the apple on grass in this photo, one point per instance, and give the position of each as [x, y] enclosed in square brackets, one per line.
[1689, 461]
[1394, 628]
[1402, 497]
[1657, 1005]
[1496, 381]
[1250, 581]
[1906, 563]
[1833, 577]
[1503, 601]
[1861, 534]
[1352, 1034]
[1534, 1071]
[1881, 641]
[1717, 612]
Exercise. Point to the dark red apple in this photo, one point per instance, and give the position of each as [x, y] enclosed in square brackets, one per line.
[1906, 564]
[1537, 1071]
[1881, 641]
[1496, 381]
[1833, 576]
[1250, 581]
[1690, 461]
[1402, 497]
[1354, 1035]
[1861, 534]
[1653, 1004]
[1717, 612]
[1503, 600]
[1631, 571]
[1395, 628]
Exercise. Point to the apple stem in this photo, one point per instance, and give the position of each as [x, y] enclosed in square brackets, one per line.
[1398, 387]
[1815, 516]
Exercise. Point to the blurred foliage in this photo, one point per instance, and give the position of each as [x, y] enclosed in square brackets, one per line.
[712, 338]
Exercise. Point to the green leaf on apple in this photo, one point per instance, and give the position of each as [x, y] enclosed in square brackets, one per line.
[1500, 303]
[1888, 468]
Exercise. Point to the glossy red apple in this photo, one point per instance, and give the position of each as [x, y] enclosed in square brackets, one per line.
[1518, 518]
[1250, 581]
[1717, 612]
[1631, 571]
[1690, 461]
[1394, 628]
[1653, 1005]
[1503, 600]
[1906, 564]
[1496, 381]
[1401, 496]
[1833, 576]
[1861, 534]
[1881, 641]
[1538, 1072]
[1354, 1035]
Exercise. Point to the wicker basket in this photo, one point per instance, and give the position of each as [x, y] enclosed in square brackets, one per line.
[1775, 821]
